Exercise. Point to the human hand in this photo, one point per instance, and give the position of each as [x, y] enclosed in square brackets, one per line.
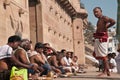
[34, 66]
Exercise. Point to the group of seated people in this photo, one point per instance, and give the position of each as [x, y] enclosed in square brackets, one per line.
[40, 59]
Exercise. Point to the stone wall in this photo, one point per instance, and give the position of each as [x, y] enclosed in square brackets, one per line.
[44, 21]
[14, 19]
[57, 26]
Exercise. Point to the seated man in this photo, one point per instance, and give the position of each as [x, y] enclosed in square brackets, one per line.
[75, 64]
[38, 57]
[67, 62]
[77, 67]
[22, 56]
[112, 63]
[51, 57]
[6, 56]
[61, 62]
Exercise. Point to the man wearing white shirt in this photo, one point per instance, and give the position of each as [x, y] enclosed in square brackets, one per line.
[67, 61]
[7, 57]
[112, 63]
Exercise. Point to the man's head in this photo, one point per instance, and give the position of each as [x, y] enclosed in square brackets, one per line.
[113, 55]
[75, 58]
[46, 44]
[63, 51]
[97, 12]
[26, 44]
[39, 47]
[109, 56]
[47, 49]
[14, 41]
[68, 54]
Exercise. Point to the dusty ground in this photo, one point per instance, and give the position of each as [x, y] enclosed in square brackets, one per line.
[91, 74]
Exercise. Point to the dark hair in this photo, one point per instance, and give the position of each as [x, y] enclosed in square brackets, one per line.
[76, 57]
[97, 8]
[109, 55]
[113, 54]
[46, 44]
[39, 45]
[25, 42]
[14, 38]
[63, 50]
[68, 52]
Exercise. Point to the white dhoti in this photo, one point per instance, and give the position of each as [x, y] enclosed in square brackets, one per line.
[100, 48]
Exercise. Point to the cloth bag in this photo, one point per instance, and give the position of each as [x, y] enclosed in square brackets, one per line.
[18, 74]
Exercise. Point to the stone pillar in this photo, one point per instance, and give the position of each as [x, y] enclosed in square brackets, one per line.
[78, 40]
[36, 31]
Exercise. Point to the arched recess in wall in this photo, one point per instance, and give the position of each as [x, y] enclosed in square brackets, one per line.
[35, 16]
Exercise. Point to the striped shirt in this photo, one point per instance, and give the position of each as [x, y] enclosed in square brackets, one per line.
[5, 51]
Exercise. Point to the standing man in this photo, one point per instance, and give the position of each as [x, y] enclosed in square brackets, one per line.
[101, 38]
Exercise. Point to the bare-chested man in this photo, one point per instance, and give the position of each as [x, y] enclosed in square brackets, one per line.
[6, 56]
[22, 55]
[101, 38]
[52, 59]
[38, 57]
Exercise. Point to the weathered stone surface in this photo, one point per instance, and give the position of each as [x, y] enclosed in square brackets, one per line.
[44, 21]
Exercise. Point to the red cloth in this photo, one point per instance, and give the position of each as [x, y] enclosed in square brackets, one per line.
[103, 36]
